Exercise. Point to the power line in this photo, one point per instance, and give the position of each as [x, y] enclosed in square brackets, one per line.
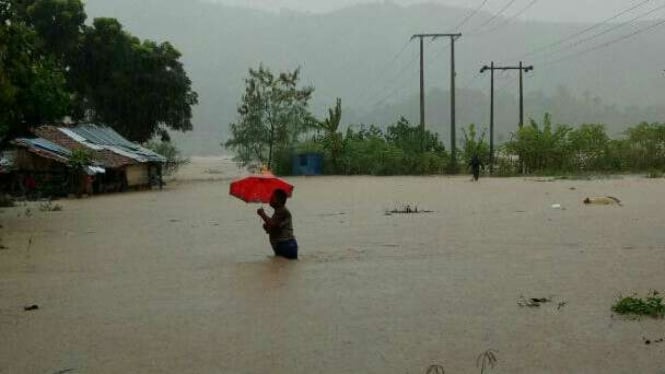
[367, 93]
[467, 84]
[397, 83]
[606, 44]
[382, 71]
[513, 17]
[470, 15]
[493, 17]
[397, 55]
[616, 27]
[584, 31]
[523, 10]
[399, 75]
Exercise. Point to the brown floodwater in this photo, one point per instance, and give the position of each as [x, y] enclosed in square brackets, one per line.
[181, 280]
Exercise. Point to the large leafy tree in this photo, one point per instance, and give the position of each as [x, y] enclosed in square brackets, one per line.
[57, 22]
[139, 88]
[32, 82]
[273, 114]
[52, 65]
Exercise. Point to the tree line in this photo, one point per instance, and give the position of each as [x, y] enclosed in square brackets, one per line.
[274, 124]
[54, 66]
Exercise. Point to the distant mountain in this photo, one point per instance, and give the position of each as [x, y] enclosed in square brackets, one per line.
[354, 53]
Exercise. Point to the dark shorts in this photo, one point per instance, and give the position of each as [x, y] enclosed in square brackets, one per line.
[287, 249]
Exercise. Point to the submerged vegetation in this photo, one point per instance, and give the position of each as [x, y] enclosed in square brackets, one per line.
[48, 206]
[651, 305]
[174, 157]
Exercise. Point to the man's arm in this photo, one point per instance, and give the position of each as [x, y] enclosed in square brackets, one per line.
[263, 215]
[271, 223]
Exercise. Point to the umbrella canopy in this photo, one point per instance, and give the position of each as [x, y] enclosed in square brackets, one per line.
[259, 188]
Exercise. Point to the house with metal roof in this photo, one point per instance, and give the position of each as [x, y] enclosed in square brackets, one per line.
[115, 164]
[37, 167]
[135, 166]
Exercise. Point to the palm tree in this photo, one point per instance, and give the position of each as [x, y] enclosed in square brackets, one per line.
[332, 139]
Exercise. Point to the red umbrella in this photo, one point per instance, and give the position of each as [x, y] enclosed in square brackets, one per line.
[259, 188]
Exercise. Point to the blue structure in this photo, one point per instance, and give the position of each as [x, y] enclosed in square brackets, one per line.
[307, 164]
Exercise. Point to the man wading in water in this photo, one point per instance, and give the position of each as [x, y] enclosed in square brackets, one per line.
[475, 164]
[280, 227]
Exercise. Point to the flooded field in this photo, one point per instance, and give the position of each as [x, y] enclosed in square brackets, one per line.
[181, 280]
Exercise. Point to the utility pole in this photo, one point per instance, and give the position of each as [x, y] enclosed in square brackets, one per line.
[453, 37]
[492, 68]
[422, 93]
[453, 137]
[521, 67]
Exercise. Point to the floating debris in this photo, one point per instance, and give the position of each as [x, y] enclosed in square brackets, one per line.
[655, 341]
[533, 302]
[407, 209]
[603, 200]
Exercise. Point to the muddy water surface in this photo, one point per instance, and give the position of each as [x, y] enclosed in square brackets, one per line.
[181, 281]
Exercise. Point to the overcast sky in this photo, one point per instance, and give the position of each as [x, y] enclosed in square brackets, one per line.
[549, 10]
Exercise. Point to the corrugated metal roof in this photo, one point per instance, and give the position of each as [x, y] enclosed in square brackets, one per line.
[44, 148]
[110, 139]
[80, 139]
[70, 140]
[45, 145]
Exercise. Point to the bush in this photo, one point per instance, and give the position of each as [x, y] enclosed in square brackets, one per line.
[541, 147]
[400, 150]
[651, 306]
[6, 201]
[646, 146]
[536, 148]
[588, 148]
[174, 158]
[475, 144]
[282, 162]
[655, 174]
[48, 206]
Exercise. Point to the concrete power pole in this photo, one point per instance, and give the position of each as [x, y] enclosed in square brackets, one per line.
[453, 38]
[492, 68]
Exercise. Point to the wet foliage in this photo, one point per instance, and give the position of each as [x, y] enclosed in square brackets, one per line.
[54, 65]
[651, 306]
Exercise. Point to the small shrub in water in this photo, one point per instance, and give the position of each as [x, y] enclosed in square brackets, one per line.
[655, 174]
[651, 306]
[435, 369]
[486, 361]
[50, 207]
[6, 201]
